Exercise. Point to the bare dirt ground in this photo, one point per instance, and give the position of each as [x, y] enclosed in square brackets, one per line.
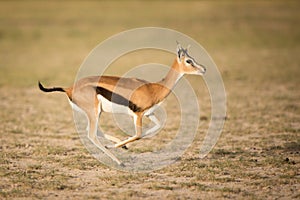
[255, 45]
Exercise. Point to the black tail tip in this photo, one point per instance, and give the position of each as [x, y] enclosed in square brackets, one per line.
[54, 89]
[41, 86]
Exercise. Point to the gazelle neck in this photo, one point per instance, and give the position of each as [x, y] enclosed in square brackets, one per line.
[172, 77]
[167, 84]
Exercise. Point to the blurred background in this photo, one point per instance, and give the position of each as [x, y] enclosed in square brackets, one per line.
[41, 39]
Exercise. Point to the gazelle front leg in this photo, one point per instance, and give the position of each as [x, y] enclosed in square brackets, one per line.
[150, 132]
[138, 131]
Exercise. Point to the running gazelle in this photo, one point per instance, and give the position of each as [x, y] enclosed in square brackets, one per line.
[132, 96]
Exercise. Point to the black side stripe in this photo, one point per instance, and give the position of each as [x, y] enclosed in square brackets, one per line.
[116, 98]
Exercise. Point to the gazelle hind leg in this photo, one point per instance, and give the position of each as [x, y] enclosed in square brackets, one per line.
[112, 138]
[115, 140]
[93, 115]
[106, 136]
[78, 109]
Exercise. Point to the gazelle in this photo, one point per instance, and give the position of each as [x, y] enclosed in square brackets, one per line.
[136, 97]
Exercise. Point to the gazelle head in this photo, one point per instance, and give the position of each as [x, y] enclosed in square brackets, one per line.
[187, 64]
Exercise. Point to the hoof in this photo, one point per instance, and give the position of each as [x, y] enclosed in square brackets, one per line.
[122, 165]
[125, 147]
[113, 146]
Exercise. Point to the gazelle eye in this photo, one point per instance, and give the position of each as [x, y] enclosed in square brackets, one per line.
[189, 61]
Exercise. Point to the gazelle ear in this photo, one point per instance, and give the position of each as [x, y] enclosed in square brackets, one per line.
[180, 51]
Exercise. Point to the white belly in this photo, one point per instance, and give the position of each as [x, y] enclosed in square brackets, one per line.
[110, 107]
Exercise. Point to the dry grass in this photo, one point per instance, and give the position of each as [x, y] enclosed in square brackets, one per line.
[256, 46]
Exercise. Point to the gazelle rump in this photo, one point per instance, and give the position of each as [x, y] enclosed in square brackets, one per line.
[136, 97]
